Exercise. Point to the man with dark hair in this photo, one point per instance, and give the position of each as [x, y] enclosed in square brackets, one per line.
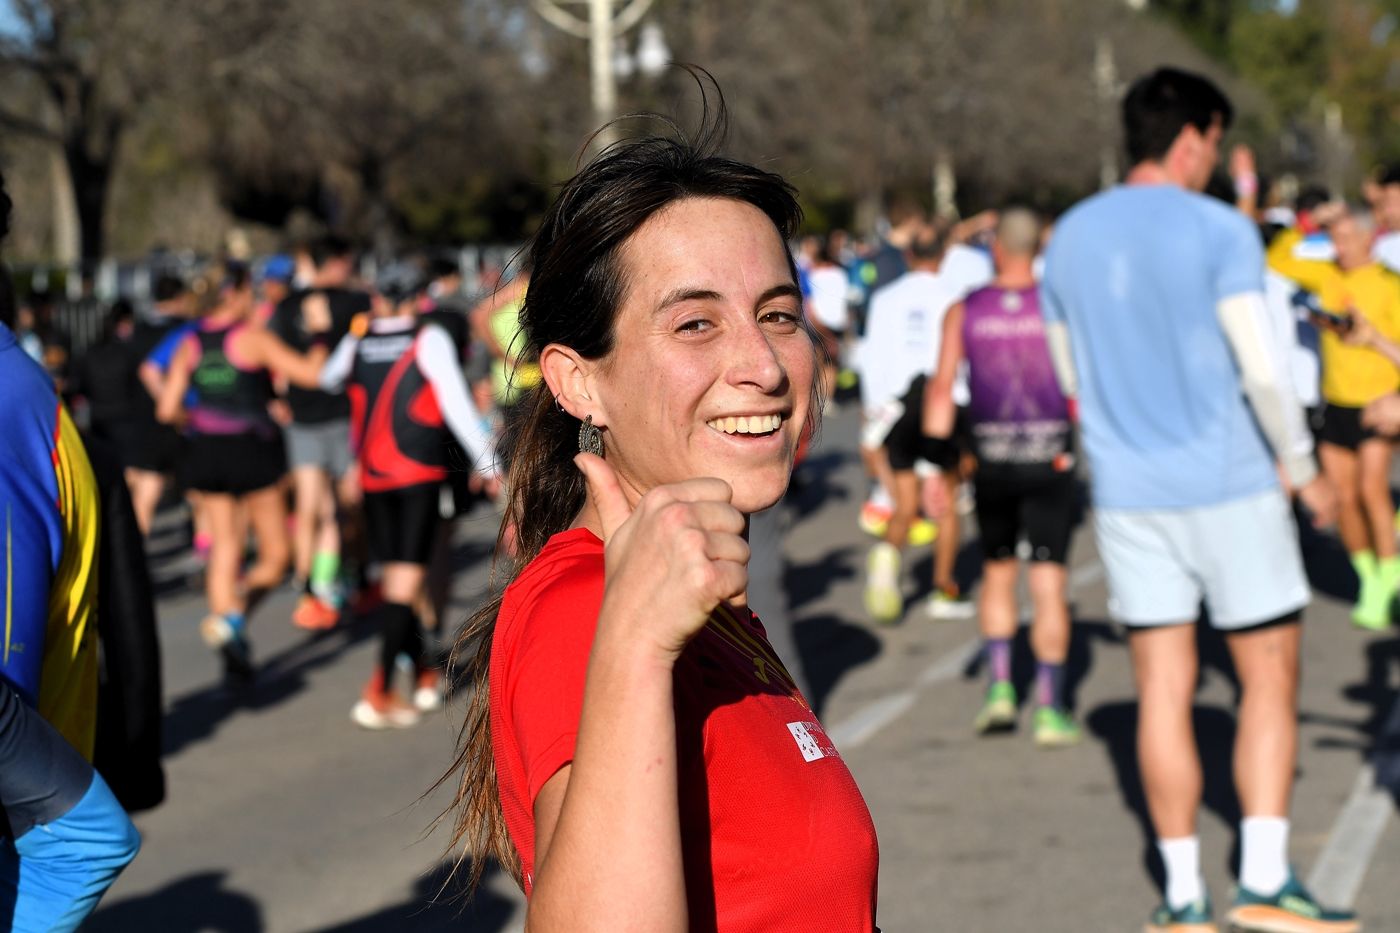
[318, 439]
[1153, 293]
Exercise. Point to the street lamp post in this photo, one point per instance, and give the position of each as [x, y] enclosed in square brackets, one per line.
[607, 21]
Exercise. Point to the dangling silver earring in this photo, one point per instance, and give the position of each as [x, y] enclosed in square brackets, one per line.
[590, 438]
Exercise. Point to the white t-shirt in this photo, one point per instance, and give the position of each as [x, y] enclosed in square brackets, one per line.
[829, 285]
[1386, 251]
[903, 333]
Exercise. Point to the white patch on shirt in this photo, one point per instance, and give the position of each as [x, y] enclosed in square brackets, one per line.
[812, 741]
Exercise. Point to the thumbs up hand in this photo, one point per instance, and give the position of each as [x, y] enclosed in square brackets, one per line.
[670, 560]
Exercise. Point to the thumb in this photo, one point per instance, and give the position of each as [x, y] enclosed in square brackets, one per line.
[606, 493]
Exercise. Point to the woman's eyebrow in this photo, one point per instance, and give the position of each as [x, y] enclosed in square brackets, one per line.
[784, 289]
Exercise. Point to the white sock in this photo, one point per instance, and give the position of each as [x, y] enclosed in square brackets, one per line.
[1263, 854]
[1182, 858]
[881, 498]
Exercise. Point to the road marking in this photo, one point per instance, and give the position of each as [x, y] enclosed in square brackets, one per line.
[1337, 875]
[867, 721]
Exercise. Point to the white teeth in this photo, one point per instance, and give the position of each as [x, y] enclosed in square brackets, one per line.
[747, 424]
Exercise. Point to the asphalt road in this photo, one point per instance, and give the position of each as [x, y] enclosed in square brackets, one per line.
[283, 816]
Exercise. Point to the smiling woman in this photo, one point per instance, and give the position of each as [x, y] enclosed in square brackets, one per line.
[635, 752]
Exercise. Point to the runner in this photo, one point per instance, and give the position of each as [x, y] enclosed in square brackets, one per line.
[633, 741]
[408, 397]
[318, 439]
[827, 309]
[235, 456]
[1356, 460]
[1158, 292]
[901, 344]
[885, 263]
[157, 449]
[1025, 485]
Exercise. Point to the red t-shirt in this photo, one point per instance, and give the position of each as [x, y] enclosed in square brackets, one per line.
[775, 833]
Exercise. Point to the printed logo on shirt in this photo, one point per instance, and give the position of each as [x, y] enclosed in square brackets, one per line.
[812, 741]
[726, 625]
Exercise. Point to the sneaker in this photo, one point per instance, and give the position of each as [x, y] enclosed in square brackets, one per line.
[430, 691]
[1055, 728]
[847, 379]
[1193, 918]
[948, 603]
[227, 639]
[922, 533]
[883, 600]
[380, 709]
[998, 713]
[314, 615]
[1291, 910]
[874, 519]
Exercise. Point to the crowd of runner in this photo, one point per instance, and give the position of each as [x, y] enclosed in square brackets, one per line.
[1210, 354]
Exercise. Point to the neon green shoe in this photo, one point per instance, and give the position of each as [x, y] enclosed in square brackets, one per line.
[883, 600]
[922, 533]
[846, 380]
[998, 713]
[1055, 728]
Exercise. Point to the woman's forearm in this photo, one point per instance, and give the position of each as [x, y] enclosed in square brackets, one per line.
[614, 857]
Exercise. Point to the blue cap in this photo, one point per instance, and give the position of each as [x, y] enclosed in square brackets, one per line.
[279, 267]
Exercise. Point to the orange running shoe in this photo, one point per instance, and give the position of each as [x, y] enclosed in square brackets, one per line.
[430, 692]
[313, 615]
[379, 709]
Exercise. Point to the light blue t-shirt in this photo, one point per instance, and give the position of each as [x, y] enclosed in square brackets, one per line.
[1135, 273]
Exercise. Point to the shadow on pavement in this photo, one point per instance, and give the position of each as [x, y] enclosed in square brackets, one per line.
[829, 647]
[1326, 562]
[196, 716]
[430, 909]
[196, 904]
[1115, 724]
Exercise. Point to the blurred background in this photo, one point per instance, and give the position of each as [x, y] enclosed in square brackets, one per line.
[131, 125]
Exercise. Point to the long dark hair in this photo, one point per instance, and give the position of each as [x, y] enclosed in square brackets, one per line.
[576, 287]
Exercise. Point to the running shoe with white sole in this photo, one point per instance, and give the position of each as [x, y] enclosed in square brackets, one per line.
[1193, 918]
[874, 519]
[998, 712]
[228, 639]
[429, 692]
[922, 533]
[1291, 910]
[948, 603]
[1055, 728]
[883, 599]
[377, 710]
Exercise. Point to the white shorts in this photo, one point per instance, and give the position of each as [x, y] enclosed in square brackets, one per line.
[1240, 558]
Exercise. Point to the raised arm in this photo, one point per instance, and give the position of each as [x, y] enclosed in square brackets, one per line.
[267, 349]
[669, 562]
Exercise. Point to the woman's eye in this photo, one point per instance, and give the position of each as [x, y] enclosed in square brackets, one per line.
[780, 316]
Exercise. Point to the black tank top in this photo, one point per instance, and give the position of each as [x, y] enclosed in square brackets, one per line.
[231, 400]
[399, 426]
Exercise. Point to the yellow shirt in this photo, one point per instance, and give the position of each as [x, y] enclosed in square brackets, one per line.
[1352, 376]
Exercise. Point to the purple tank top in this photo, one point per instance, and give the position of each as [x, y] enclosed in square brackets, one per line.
[1019, 416]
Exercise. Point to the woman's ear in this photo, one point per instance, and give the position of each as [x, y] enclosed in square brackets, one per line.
[568, 376]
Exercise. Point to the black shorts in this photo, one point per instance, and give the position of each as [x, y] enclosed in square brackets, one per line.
[1037, 501]
[154, 447]
[905, 443]
[1341, 426]
[402, 524]
[234, 464]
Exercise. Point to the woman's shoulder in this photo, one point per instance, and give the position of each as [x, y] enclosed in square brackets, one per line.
[565, 577]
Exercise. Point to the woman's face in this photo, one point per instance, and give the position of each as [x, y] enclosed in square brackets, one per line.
[711, 371]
